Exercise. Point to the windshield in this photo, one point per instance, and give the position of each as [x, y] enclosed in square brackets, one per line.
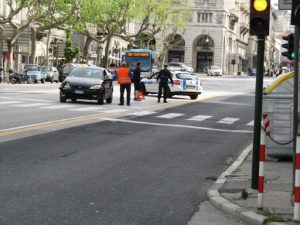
[93, 73]
[145, 63]
[215, 68]
[186, 76]
[31, 68]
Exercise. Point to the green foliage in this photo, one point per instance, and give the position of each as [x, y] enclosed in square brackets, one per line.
[70, 51]
[273, 218]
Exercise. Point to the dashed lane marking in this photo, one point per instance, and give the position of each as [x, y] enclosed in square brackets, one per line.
[170, 115]
[176, 125]
[200, 118]
[228, 120]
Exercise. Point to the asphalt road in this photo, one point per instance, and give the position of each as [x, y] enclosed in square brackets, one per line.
[148, 169]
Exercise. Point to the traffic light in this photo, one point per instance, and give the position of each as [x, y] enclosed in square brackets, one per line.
[290, 53]
[259, 17]
[295, 13]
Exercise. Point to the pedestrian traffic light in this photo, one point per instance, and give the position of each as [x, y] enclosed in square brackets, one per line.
[259, 17]
[290, 53]
[295, 13]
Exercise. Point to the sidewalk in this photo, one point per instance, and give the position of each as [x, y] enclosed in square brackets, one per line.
[226, 192]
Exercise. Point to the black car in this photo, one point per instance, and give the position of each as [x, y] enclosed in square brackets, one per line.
[93, 83]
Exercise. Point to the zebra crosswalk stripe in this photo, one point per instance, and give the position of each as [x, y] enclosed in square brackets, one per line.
[200, 118]
[228, 120]
[32, 105]
[251, 123]
[9, 102]
[142, 113]
[170, 115]
[92, 108]
[57, 107]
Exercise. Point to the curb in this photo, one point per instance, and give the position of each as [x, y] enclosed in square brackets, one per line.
[225, 205]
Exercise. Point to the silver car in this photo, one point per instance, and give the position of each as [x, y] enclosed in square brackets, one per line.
[51, 73]
[35, 72]
[214, 71]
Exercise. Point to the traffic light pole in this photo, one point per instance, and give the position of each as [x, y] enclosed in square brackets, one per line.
[258, 110]
[296, 80]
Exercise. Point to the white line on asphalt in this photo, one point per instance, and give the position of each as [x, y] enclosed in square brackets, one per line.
[57, 107]
[142, 113]
[32, 105]
[115, 110]
[92, 108]
[251, 123]
[170, 115]
[177, 125]
[25, 99]
[228, 120]
[9, 102]
[199, 118]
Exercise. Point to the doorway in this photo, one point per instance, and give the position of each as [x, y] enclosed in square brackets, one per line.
[204, 61]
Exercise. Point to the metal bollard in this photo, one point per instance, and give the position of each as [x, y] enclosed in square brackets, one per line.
[261, 177]
[297, 182]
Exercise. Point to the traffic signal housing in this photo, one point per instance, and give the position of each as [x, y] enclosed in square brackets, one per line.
[259, 17]
[290, 53]
[295, 13]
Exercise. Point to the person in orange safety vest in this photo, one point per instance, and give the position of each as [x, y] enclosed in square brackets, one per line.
[123, 74]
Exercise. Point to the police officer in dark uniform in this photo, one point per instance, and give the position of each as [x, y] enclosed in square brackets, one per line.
[163, 77]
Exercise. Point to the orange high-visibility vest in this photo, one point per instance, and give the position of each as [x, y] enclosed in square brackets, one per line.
[123, 75]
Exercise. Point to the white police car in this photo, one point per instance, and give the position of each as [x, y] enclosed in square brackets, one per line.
[185, 83]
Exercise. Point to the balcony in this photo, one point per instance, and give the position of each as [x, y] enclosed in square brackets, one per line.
[244, 28]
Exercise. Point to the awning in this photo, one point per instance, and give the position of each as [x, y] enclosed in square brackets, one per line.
[114, 58]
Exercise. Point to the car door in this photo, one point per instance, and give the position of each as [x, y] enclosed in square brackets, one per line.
[151, 83]
[107, 84]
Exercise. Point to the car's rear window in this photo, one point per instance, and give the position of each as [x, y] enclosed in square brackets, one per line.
[94, 73]
[31, 67]
[186, 76]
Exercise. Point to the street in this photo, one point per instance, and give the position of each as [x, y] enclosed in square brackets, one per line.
[145, 164]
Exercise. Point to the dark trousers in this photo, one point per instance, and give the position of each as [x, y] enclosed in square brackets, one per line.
[122, 89]
[163, 86]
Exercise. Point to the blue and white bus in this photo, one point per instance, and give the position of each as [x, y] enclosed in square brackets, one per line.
[147, 58]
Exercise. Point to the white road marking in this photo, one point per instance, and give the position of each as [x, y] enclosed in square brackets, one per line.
[91, 108]
[57, 107]
[199, 118]
[230, 103]
[31, 105]
[170, 115]
[142, 113]
[177, 125]
[9, 102]
[251, 123]
[228, 120]
[26, 99]
[115, 110]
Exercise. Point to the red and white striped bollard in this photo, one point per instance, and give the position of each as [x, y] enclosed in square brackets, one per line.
[297, 182]
[261, 177]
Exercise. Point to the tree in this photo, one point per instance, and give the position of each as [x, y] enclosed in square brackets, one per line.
[52, 14]
[16, 8]
[70, 51]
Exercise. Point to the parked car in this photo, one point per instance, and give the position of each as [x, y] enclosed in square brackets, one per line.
[185, 83]
[91, 82]
[35, 72]
[214, 71]
[251, 72]
[178, 66]
[50, 73]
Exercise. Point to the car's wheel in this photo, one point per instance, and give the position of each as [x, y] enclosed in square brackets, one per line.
[62, 98]
[13, 81]
[143, 89]
[29, 81]
[194, 96]
[56, 81]
[74, 100]
[51, 80]
[42, 81]
[100, 99]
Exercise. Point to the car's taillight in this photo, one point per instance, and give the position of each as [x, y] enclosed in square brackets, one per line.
[176, 82]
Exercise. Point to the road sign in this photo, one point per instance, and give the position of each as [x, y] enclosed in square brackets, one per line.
[284, 4]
